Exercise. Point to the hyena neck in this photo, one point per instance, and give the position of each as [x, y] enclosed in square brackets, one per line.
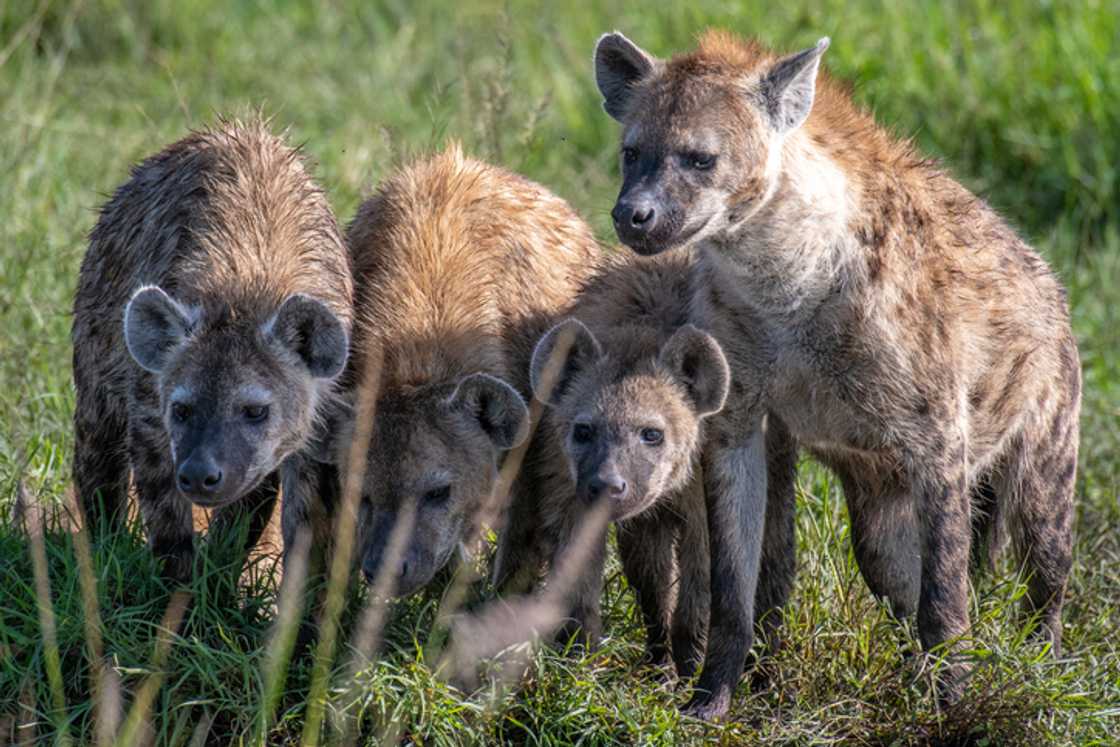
[797, 248]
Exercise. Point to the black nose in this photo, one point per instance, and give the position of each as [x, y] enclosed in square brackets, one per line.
[610, 485]
[635, 216]
[200, 476]
[370, 569]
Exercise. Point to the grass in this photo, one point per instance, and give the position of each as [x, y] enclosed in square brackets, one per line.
[1018, 98]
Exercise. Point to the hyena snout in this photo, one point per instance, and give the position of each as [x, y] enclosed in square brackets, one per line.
[200, 477]
[635, 215]
[606, 482]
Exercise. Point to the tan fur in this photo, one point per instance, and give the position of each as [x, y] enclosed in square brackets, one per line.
[459, 267]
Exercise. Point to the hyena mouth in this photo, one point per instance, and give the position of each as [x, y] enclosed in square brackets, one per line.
[648, 246]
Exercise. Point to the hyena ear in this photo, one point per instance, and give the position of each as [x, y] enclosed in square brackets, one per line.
[154, 325]
[787, 90]
[306, 327]
[619, 64]
[498, 408]
[563, 352]
[697, 361]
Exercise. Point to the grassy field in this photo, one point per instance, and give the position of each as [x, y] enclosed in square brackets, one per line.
[1018, 98]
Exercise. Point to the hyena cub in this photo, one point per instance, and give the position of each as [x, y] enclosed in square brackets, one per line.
[459, 268]
[890, 319]
[627, 395]
[210, 322]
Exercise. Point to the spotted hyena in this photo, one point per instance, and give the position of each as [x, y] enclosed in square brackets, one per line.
[210, 322]
[459, 268]
[627, 392]
[896, 325]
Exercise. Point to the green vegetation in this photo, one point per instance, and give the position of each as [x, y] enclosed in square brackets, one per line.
[1018, 98]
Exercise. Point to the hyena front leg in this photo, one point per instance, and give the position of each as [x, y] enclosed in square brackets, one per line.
[945, 530]
[101, 466]
[236, 528]
[778, 565]
[735, 488]
[645, 546]
[165, 512]
[577, 570]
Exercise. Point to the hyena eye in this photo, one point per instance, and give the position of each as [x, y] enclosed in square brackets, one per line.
[256, 413]
[629, 155]
[582, 433]
[438, 496]
[700, 161]
[180, 412]
[652, 436]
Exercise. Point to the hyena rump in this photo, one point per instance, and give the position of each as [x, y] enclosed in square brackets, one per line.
[901, 331]
[628, 383]
[210, 321]
[459, 267]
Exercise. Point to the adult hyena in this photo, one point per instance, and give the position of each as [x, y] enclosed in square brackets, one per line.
[226, 266]
[890, 319]
[459, 268]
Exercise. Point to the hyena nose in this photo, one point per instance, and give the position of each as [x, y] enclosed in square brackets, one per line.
[634, 215]
[199, 477]
[607, 486]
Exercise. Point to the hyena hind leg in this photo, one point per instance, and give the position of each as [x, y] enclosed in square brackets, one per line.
[887, 543]
[1039, 485]
[778, 566]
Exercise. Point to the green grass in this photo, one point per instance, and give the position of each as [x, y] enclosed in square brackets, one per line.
[1018, 98]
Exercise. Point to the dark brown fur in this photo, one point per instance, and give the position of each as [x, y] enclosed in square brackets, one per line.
[895, 324]
[637, 382]
[229, 223]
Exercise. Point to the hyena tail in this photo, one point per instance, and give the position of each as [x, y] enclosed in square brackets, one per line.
[989, 533]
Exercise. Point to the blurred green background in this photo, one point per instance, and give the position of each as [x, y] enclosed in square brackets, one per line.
[1021, 100]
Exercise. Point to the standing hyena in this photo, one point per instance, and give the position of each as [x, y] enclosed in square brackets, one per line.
[210, 321]
[459, 268]
[892, 321]
[627, 395]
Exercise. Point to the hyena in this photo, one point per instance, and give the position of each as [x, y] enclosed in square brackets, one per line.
[211, 320]
[627, 397]
[459, 267]
[893, 322]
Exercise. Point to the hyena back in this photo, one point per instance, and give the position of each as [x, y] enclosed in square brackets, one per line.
[893, 322]
[211, 318]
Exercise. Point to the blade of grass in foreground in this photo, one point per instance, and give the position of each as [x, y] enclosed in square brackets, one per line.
[343, 549]
[138, 715]
[105, 695]
[34, 518]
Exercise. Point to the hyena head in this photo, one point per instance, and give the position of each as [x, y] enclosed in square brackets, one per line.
[628, 415]
[237, 395]
[701, 133]
[431, 465]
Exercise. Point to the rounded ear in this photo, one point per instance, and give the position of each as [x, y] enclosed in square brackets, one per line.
[697, 361]
[498, 408]
[306, 327]
[619, 64]
[154, 325]
[789, 87]
[563, 352]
